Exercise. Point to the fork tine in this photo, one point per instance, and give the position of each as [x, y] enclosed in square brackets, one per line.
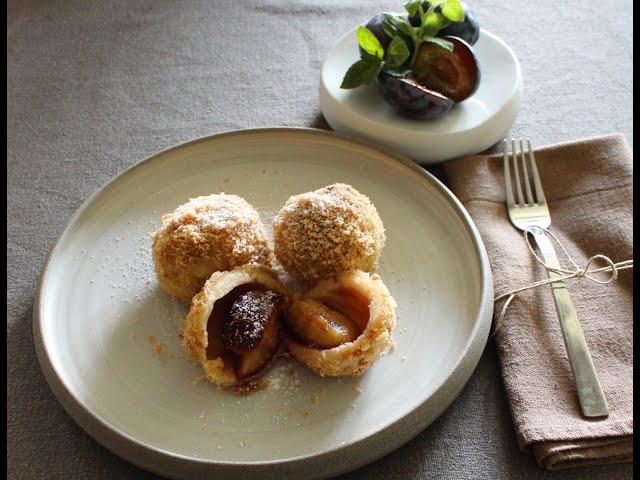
[516, 171]
[507, 176]
[536, 177]
[527, 183]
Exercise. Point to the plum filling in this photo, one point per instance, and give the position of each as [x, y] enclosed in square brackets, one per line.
[330, 320]
[248, 317]
[243, 329]
[455, 74]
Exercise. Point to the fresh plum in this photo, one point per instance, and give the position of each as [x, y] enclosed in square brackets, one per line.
[468, 30]
[455, 74]
[412, 99]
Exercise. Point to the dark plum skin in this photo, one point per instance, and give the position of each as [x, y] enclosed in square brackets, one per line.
[412, 99]
[455, 74]
[468, 30]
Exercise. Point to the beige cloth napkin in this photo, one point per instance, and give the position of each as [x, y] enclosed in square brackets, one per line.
[588, 185]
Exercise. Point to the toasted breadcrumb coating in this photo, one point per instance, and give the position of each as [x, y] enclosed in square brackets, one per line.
[205, 235]
[327, 231]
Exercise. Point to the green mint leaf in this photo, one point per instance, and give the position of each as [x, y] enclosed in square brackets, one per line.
[364, 71]
[412, 7]
[431, 24]
[387, 25]
[435, 5]
[399, 24]
[453, 10]
[369, 42]
[389, 30]
[441, 42]
[397, 53]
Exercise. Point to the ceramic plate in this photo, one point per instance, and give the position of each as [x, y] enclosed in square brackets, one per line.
[106, 333]
[469, 127]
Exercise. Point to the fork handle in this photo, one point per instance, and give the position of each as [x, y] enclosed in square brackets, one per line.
[592, 400]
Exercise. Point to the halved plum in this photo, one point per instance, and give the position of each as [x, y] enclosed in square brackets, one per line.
[314, 323]
[248, 317]
[243, 329]
[412, 99]
[454, 74]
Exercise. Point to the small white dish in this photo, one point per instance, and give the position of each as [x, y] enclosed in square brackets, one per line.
[469, 127]
[99, 314]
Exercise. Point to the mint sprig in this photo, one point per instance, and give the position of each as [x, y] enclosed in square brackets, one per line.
[396, 25]
[431, 23]
[438, 16]
[375, 58]
[397, 53]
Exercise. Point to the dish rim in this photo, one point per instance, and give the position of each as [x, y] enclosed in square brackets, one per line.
[155, 459]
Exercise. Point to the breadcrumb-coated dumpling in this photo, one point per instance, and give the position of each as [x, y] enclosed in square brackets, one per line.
[233, 346]
[327, 231]
[206, 235]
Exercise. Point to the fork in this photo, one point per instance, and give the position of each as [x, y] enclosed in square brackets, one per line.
[531, 215]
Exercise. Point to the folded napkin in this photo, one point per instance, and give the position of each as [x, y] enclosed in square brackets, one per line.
[588, 185]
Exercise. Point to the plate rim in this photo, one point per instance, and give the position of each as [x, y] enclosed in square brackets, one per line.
[177, 465]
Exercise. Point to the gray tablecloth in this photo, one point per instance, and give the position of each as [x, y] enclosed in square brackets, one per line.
[94, 86]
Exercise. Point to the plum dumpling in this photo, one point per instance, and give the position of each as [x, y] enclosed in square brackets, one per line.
[342, 325]
[205, 235]
[233, 326]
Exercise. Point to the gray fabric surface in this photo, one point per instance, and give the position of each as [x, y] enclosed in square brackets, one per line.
[95, 86]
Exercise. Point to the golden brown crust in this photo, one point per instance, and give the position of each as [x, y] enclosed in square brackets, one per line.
[194, 335]
[205, 235]
[352, 358]
[330, 230]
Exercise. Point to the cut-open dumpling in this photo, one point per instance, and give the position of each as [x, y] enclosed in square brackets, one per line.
[342, 325]
[233, 326]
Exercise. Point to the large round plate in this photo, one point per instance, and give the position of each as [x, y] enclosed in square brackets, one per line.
[469, 127]
[100, 316]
